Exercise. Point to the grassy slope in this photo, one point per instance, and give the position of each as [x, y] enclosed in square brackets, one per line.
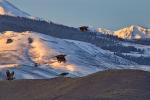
[108, 85]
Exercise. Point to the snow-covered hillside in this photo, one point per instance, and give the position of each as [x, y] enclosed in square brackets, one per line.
[19, 54]
[7, 8]
[131, 32]
[32, 55]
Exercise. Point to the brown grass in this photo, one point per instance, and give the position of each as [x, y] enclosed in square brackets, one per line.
[107, 85]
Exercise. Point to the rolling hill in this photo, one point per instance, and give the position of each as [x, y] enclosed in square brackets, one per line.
[107, 85]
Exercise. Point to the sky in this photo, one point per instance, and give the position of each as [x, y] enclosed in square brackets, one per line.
[109, 14]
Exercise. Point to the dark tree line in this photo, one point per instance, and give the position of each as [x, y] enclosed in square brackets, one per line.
[122, 49]
[21, 24]
[139, 60]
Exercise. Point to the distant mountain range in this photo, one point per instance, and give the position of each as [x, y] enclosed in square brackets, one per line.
[131, 32]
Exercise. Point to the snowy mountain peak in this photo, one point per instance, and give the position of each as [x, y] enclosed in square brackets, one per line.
[137, 27]
[6, 8]
[133, 32]
[130, 32]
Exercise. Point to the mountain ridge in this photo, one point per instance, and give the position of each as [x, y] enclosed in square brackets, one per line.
[131, 32]
[6, 8]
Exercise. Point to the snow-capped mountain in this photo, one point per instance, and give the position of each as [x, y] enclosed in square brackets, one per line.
[18, 54]
[7, 8]
[131, 32]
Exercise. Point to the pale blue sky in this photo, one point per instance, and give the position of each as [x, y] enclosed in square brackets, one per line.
[111, 14]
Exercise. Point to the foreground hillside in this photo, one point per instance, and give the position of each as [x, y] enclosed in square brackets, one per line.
[108, 85]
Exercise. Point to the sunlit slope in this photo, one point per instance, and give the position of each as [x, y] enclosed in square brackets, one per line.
[7, 8]
[24, 50]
